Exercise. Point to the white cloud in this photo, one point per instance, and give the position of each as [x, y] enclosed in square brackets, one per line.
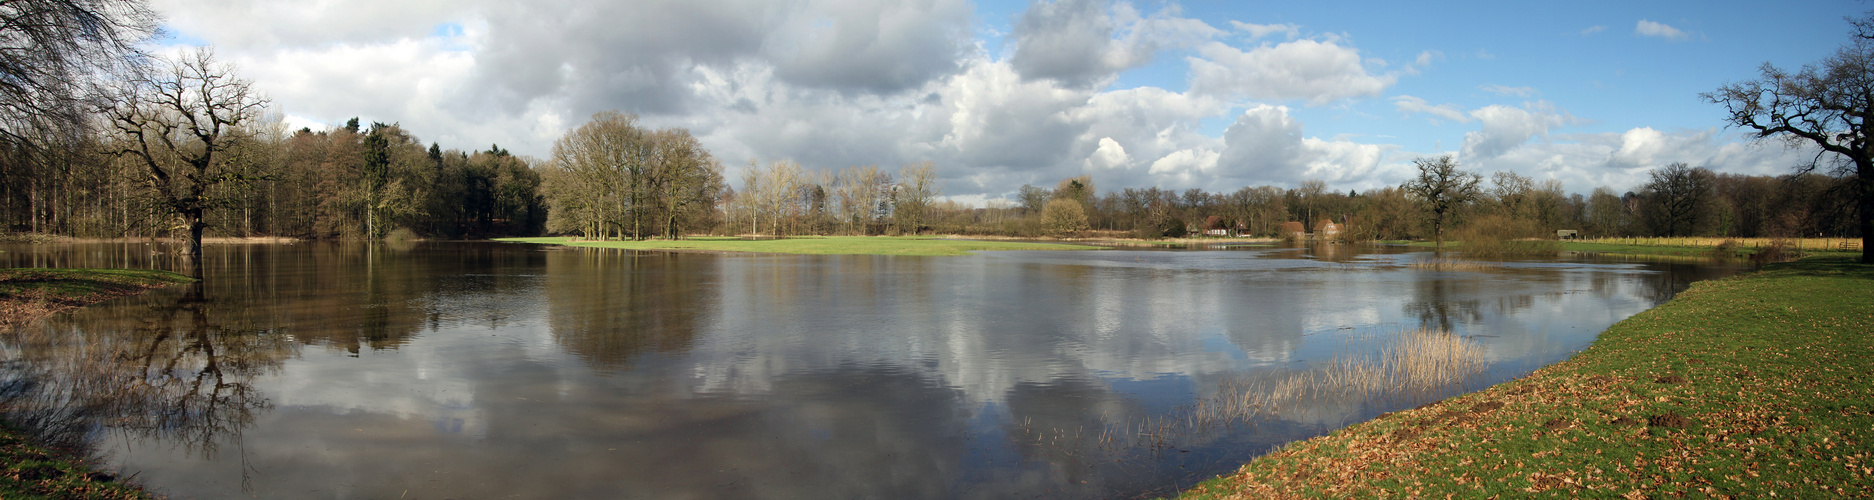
[1316, 71]
[1084, 43]
[1507, 90]
[1409, 104]
[1425, 58]
[1255, 31]
[1110, 155]
[1653, 29]
[1593, 29]
[1639, 147]
[255, 24]
[1185, 164]
[1266, 146]
[1621, 160]
[1504, 127]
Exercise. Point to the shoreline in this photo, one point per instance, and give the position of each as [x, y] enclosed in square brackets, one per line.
[1746, 386]
[31, 294]
[814, 245]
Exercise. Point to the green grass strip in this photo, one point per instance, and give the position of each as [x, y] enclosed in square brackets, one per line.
[814, 245]
[1753, 386]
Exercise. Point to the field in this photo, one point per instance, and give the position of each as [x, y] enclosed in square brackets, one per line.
[1751, 386]
[817, 245]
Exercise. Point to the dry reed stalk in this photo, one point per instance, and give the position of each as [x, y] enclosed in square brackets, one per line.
[1450, 264]
[1410, 363]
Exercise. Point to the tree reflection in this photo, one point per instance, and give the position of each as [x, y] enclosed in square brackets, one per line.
[177, 367]
[608, 306]
[1438, 306]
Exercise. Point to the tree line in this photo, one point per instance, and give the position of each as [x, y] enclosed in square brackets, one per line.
[99, 139]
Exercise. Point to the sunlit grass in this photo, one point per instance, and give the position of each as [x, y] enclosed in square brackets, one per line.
[815, 245]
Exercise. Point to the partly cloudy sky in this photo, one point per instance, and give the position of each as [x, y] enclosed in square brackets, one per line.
[1206, 93]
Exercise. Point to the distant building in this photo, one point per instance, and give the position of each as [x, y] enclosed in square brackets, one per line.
[1566, 234]
[1293, 230]
[1327, 230]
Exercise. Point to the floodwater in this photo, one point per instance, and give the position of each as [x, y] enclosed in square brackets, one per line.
[490, 370]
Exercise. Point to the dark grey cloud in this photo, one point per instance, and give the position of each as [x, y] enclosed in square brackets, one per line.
[648, 56]
[872, 47]
[1066, 40]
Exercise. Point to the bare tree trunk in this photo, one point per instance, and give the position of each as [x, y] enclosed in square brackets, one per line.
[1865, 173]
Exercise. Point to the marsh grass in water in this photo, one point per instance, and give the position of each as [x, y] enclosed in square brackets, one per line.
[27, 294]
[1450, 264]
[1495, 237]
[1411, 365]
[1747, 387]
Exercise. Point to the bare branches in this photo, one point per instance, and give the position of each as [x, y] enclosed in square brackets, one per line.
[176, 122]
[1829, 105]
[1442, 188]
[54, 53]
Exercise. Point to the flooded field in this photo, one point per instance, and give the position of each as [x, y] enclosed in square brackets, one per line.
[488, 370]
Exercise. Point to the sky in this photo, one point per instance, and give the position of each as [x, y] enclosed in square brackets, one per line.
[1204, 94]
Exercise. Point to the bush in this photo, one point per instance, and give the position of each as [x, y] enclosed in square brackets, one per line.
[1174, 228]
[1779, 250]
[1292, 231]
[1498, 237]
[1063, 217]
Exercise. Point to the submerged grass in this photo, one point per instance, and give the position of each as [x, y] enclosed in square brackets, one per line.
[1747, 387]
[27, 294]
[1410, 364]
[1450, 264]
[817, 245]
[28, 470]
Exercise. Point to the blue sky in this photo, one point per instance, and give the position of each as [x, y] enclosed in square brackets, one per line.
[1207, 94]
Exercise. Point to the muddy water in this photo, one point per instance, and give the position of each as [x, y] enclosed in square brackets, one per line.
[487, 370]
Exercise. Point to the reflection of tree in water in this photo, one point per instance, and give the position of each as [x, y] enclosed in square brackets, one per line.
[176, 367]
[1435, 304]
[608, 306]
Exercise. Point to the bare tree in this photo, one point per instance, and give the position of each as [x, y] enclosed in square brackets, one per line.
[1442, 189]
[917, 188]
[1829, 105]
[1310, 192]
[597, 172]
[1681, 198]
[53, 51]
[177, 123]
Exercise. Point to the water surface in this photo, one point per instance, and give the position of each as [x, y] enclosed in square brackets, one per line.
[488, 370]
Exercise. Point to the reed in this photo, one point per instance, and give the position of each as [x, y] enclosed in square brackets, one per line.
[1450, 264]
[1413, 364]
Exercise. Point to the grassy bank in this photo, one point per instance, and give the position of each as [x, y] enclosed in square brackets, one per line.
[819, 245]
[1752, 386]
[26, 295]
